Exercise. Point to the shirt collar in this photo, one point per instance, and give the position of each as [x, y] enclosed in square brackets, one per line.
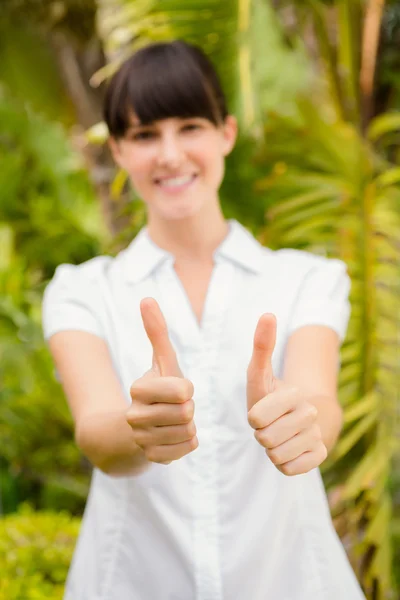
[143, 256]
[242, 248]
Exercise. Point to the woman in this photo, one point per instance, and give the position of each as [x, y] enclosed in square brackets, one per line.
[206, 436]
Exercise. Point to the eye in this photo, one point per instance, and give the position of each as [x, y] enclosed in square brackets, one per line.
[190, 127]
[142, 135]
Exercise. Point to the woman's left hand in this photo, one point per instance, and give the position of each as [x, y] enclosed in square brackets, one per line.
[285, 421]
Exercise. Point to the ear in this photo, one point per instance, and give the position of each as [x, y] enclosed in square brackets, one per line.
[230, 131]
[115, 148]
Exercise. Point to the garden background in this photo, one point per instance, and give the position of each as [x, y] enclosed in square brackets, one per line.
[316, 87]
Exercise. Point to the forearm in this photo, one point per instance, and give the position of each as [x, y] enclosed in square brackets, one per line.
[330, 418]
[106, 440]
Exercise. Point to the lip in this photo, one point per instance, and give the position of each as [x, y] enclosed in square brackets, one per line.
[172, 188]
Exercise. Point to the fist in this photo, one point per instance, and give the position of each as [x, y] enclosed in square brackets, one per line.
[285, 422]
[162, 409]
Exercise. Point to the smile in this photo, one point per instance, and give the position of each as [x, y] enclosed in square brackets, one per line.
[176, 183]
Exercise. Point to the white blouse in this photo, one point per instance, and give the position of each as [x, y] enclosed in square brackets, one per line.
[222, 523]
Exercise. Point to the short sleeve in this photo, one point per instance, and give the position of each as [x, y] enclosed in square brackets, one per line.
[323, 297]
[72, 301]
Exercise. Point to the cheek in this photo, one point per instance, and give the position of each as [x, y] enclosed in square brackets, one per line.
[211, 161]
[139, 168]
[216, 170]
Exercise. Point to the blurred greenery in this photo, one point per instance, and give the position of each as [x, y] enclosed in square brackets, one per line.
[315, 167]
[48, 215]
[35, 553]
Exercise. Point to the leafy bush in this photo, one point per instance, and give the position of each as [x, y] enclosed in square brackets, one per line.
[35, 553]
[48, 215]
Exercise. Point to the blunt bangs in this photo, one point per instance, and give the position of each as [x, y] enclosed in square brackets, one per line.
[161, 81]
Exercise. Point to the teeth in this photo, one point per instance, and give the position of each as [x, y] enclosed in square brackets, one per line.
[174, 181]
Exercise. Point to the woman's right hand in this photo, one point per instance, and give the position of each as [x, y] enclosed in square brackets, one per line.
[162, 409]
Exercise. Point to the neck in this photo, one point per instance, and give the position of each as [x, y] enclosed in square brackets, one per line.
[194, 238]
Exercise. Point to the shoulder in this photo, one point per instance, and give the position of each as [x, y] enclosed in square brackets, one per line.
[296, 267]
[317, 289]
[73, 299]
[79, 279]
[294, 260]
[89, 270]
[79, 284]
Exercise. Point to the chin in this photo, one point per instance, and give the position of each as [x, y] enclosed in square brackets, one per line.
[180, 213]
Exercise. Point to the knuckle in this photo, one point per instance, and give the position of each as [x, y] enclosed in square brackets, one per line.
[184, 390]
[187, 411]
[265, 438]
[275, 456]
[324, 452]
[311, 411]
[193, 443]
[289, 470]
[135, 389]
[133, 416]
[269, 440]
[190, 429]
[253, 419]
[189, 389]
[152, 454]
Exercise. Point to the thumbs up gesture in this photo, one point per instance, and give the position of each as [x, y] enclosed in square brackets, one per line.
[285, 422]
[162, 409]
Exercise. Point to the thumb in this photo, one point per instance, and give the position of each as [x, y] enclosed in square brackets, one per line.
[260, 376]
[165, 362]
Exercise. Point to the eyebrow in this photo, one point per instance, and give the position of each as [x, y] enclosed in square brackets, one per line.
[138, 125]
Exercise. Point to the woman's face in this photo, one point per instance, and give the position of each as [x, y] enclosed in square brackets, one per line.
[176, 165]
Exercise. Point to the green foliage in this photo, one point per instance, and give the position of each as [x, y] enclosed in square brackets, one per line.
[76, 17]
[29, 69]
[46, 195]
[232, 32]
[48, 216]
[35, 553]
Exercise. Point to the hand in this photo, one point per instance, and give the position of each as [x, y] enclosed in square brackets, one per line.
[162, 409]
[285, 422]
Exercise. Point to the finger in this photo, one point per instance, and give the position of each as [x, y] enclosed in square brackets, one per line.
[272, 407]
[164, 356]
[165, 435]
[260, 377]
[305, 441]
[142, 415]
[170, 452]
[287, 426]
[174, 390]
[304, 463]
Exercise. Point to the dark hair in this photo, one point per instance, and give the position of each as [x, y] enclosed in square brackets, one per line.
[162, 80]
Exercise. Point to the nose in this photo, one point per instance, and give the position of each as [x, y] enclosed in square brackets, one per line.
[170, 150]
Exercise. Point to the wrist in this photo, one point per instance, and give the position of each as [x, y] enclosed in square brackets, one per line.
[329, 418]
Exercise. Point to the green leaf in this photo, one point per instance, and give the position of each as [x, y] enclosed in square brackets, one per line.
[361, 408]
[367, 471]
[389, 177]
[383, 124]
[351, 438]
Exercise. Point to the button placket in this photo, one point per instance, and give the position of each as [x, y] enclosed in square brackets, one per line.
[204, 460]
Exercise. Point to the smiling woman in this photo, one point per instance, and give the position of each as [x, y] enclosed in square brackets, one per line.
[170, 130]
[195, 407]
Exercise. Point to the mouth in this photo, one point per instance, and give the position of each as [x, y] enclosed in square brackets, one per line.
[176, 184]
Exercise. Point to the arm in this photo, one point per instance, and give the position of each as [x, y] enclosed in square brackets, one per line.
[157, 427]
[312, 364]
[97, 402]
